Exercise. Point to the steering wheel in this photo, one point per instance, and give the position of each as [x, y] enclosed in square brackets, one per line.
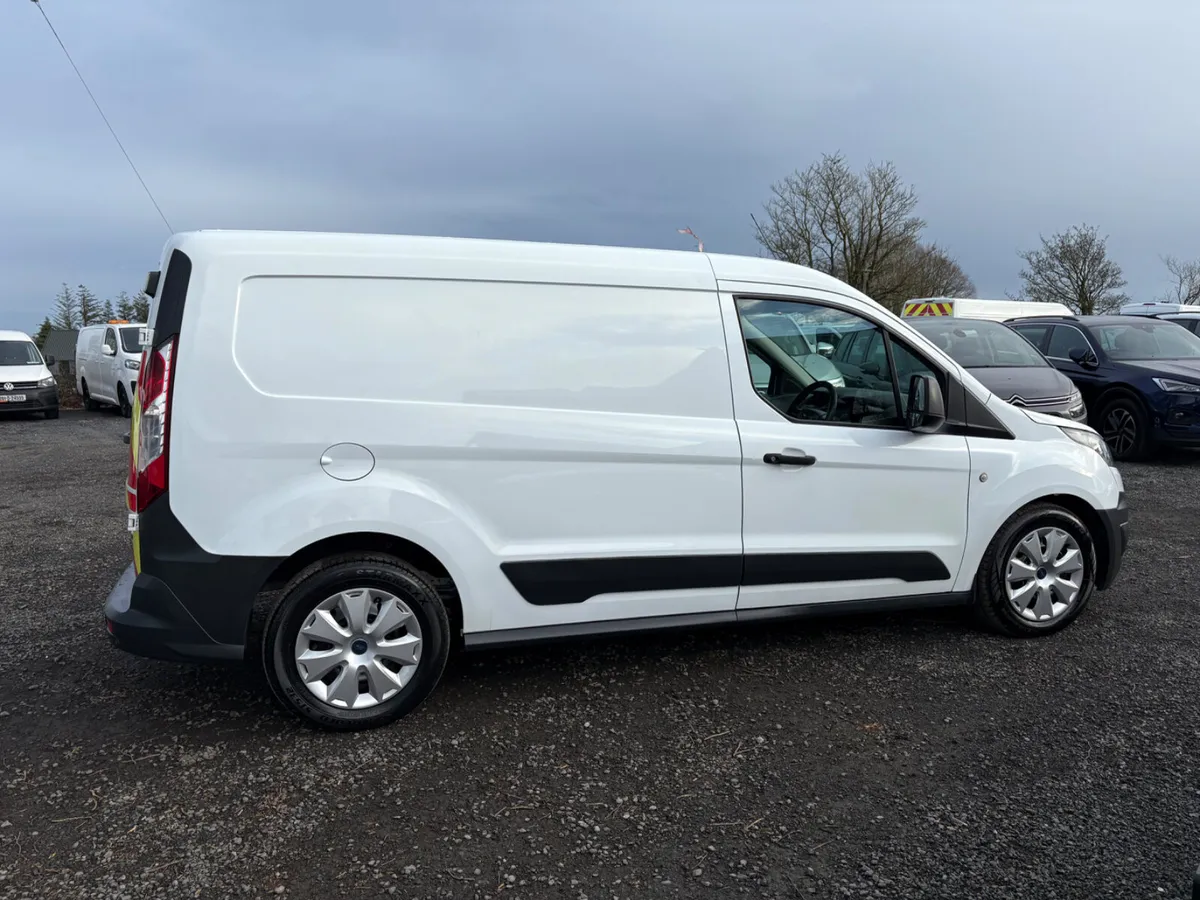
[796, 409]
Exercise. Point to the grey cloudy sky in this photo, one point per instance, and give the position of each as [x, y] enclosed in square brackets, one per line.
[613, 123]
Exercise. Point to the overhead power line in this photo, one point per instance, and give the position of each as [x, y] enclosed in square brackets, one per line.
[96, 103]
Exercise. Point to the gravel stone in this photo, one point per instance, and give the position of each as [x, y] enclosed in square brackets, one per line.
[899, 756]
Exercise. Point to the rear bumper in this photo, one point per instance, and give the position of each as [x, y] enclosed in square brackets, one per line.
[36, 400]
[1115, 527]
[145, 617]
[186, 604]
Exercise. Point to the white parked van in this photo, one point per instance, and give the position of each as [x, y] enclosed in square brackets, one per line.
[972, 308]
[106, 364]
[1185, 314]
[490, 443]
[26, 382]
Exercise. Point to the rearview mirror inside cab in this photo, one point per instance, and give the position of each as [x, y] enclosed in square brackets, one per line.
[926, 410]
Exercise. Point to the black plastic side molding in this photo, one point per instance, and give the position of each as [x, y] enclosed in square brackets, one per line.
[559, 581]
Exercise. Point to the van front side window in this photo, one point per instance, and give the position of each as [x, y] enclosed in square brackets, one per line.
[804, 375]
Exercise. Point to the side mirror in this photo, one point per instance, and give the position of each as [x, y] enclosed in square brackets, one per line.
[107, 350]
[1084, 358]
[926, 411]
[825, 349]
[49, 360]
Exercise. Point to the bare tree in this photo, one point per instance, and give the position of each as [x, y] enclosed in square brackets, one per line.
[1186, 288]
[927, 270]
[861, 228]
[1073, 268]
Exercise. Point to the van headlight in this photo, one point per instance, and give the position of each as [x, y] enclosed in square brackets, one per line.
[47, 382]
[134, 364]
[1090, 439]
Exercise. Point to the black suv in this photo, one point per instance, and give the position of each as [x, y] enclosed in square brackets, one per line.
[1139, 376]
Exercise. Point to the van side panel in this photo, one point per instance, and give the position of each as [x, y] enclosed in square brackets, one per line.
[509, 422]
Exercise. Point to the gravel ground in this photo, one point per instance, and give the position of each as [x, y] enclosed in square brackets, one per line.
[887, 757]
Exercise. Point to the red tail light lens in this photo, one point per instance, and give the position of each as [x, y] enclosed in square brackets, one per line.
[148, 461]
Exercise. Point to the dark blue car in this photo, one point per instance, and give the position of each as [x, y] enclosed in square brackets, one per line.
[1140, 377]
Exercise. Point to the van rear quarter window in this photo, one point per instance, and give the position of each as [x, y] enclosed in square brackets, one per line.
[571, 347]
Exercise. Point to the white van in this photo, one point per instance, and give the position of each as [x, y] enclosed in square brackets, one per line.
[972, 308]
[26, 382]
[1185, 314]
[488, 443]
[107, 358]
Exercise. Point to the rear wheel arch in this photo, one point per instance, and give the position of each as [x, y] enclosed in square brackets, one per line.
[319, 552]
[356, 640]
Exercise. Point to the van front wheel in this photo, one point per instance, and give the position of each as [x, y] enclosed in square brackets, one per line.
[123, 402]
[1037, 574]
[356, 642]
[88, 403]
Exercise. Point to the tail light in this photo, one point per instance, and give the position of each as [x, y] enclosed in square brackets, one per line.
[148, 455]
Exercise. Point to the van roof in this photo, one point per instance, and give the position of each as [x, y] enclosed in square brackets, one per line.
[665, 268]
[14, 336]
[1157, 307]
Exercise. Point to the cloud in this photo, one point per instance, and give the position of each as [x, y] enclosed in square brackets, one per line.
[611, 123]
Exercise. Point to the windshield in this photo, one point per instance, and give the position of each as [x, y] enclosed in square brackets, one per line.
[783, 330]
[19, 353]
[1147, 339]
[129, 340]
[978, 344]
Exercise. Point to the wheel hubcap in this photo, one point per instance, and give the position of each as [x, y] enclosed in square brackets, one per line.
[1044, 575]
[358, 648]
[1120, 431]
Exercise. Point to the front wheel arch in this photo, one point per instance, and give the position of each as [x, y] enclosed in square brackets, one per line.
[991, 600]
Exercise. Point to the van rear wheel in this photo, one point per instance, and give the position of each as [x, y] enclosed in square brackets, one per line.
[1038, 573]
[356, 642]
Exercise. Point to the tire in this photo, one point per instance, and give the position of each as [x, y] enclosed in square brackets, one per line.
[123, 403]
[993, 605]
[1125, 427]
[321, 585]
[88, 403]
[51, 414]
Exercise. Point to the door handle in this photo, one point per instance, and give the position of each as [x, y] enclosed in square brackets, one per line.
[787, 459]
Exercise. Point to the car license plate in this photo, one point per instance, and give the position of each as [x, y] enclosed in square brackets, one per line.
[12, 398]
